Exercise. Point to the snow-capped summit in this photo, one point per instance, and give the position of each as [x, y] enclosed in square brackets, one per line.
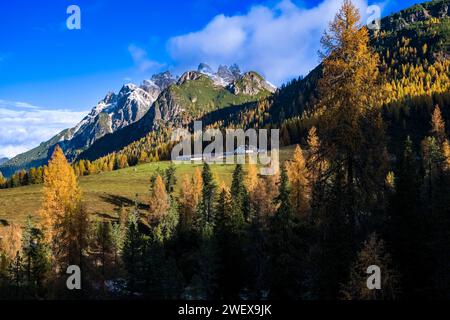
[223, 76]
[132, 103]
[227, 75]
[112, 113]
[163, 80]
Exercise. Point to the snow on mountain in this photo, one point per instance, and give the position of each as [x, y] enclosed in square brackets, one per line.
[118, 111]
[227, 76]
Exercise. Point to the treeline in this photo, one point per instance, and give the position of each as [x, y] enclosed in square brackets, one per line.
[252, 240]
[152, 148]
[264, 237]
[415, 76]
[23, 178]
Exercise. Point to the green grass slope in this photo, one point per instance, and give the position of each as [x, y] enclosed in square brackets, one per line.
[104, 194]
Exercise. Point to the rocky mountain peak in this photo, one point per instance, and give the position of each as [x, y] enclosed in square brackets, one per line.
[226, 74]
[204, 68]
[189, 76]
[163, 80]
[223, 76]
[110, 97]
[417, 13]
[127, 88]
[251, 83]
[235, 70]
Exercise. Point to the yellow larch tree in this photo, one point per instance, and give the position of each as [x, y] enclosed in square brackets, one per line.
[438, 125]
[61, 194]
[10, 243]
[189, 198]
[446, 154]
[159, 201]
[65, 221]
[298, 178]
[251, 179]
[351, 128]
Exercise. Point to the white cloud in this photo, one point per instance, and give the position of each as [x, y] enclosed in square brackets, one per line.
[24, 126]
[280, 41]
[141, 60]
[16, 104]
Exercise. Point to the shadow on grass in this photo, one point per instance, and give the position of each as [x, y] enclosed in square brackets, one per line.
[105, 216]
[120, 201]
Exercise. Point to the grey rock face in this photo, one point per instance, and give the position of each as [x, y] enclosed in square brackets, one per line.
[189, 76]
[167, 107]
[147, 105]
[204, 68]
[250, 84]
[163, 80]
[226, 74]
[113, 113]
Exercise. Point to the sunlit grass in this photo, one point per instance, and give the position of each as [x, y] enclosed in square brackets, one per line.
[105, 193]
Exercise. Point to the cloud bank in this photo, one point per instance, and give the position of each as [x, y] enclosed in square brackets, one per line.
[25, 126]
[141, 59]
[280, 41]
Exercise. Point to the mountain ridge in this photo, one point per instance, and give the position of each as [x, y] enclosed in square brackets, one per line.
[134, 102]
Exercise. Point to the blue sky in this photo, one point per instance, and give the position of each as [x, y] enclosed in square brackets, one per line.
[45, 67]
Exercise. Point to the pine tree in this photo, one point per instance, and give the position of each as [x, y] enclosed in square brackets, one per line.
[433, 163]
[406, 231]
[223, 208]
[284, 262]
[262, 208]
[104, 246]
[170, 178]
[35, 260]
[16, 275]
[206, 207]
[229, 232]
[239, 197]
[132, 255]
[164, 229]
[205, 283]
[117, 241]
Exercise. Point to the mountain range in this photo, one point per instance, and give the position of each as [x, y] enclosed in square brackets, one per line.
[411, 42]
[162, 99]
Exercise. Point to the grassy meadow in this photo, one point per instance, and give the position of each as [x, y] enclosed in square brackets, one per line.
[105, 193]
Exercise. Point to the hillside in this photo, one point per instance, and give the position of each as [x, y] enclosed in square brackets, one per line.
[112, 113]
[363, 186]
[137, 110]
[194, 95]
[413, 46]
[106, 192]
